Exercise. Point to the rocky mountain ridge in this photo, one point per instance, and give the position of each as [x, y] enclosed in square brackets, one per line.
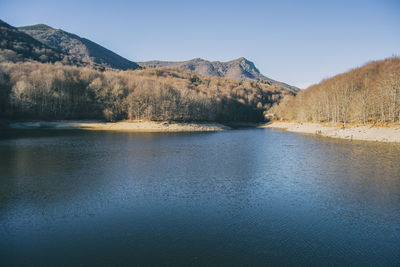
[81, 49]
[240, 69]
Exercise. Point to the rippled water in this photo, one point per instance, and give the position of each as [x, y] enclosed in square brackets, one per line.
[242, 197]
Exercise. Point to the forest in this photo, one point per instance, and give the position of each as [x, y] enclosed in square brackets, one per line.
[368, 94]
[52, 91]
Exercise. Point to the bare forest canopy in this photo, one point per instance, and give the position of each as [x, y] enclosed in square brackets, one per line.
[369, 94]
[33, 91]
[48, 73]
[45, 44]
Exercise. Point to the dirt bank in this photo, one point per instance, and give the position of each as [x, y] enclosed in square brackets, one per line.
[366, 133]
[132, 126]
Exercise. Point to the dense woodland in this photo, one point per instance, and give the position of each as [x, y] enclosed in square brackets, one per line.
[48, 91]
[369, 94]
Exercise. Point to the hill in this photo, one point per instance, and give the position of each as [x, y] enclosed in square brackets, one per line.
[86, 85]
[37, 91]
[19, 46]
[239, 69]
[368, 94]
[82, 50]
[43, 43]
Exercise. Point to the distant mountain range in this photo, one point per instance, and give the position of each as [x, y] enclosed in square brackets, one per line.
[239, 69]
[45, 44]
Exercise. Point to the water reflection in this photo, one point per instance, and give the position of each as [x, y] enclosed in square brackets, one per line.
[236, 197]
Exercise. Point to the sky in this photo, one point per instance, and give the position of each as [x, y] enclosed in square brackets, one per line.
[297, 42]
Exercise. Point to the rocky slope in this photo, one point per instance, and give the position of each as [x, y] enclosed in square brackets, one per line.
[82, 50]
[239, 69]
[18, 46]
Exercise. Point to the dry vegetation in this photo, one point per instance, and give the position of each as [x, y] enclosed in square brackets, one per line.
[370, 94]
[33, 91]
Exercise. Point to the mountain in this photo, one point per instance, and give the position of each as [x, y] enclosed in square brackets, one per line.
[239, 69]
[80, 49]
[19, 46]
[43, 43]
[43, 91]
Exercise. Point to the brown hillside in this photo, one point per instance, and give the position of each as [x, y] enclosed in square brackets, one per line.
[370, 93]
[56, 91]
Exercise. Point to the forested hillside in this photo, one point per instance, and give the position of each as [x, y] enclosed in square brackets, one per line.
[367, 94]
[32, 91]
[50, 74]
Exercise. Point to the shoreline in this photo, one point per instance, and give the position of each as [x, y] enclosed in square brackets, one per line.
[128, 126]
[358, 132]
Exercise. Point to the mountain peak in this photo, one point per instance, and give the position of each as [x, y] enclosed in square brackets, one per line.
[24, 47]
[246, 65]
[36, 27]
[241, 59]
[79, 49]
[197, 59]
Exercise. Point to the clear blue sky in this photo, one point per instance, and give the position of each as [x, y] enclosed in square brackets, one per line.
[298, 42]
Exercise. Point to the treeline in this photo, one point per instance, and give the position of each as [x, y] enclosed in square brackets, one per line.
[32, 91]
[369, 94]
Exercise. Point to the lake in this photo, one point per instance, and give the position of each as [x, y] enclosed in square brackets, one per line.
[240, 197]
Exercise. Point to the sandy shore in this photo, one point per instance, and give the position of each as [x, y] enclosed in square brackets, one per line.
[366, 133]
[142, 126]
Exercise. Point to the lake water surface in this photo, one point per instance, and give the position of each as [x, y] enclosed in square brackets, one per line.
[241, 197]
